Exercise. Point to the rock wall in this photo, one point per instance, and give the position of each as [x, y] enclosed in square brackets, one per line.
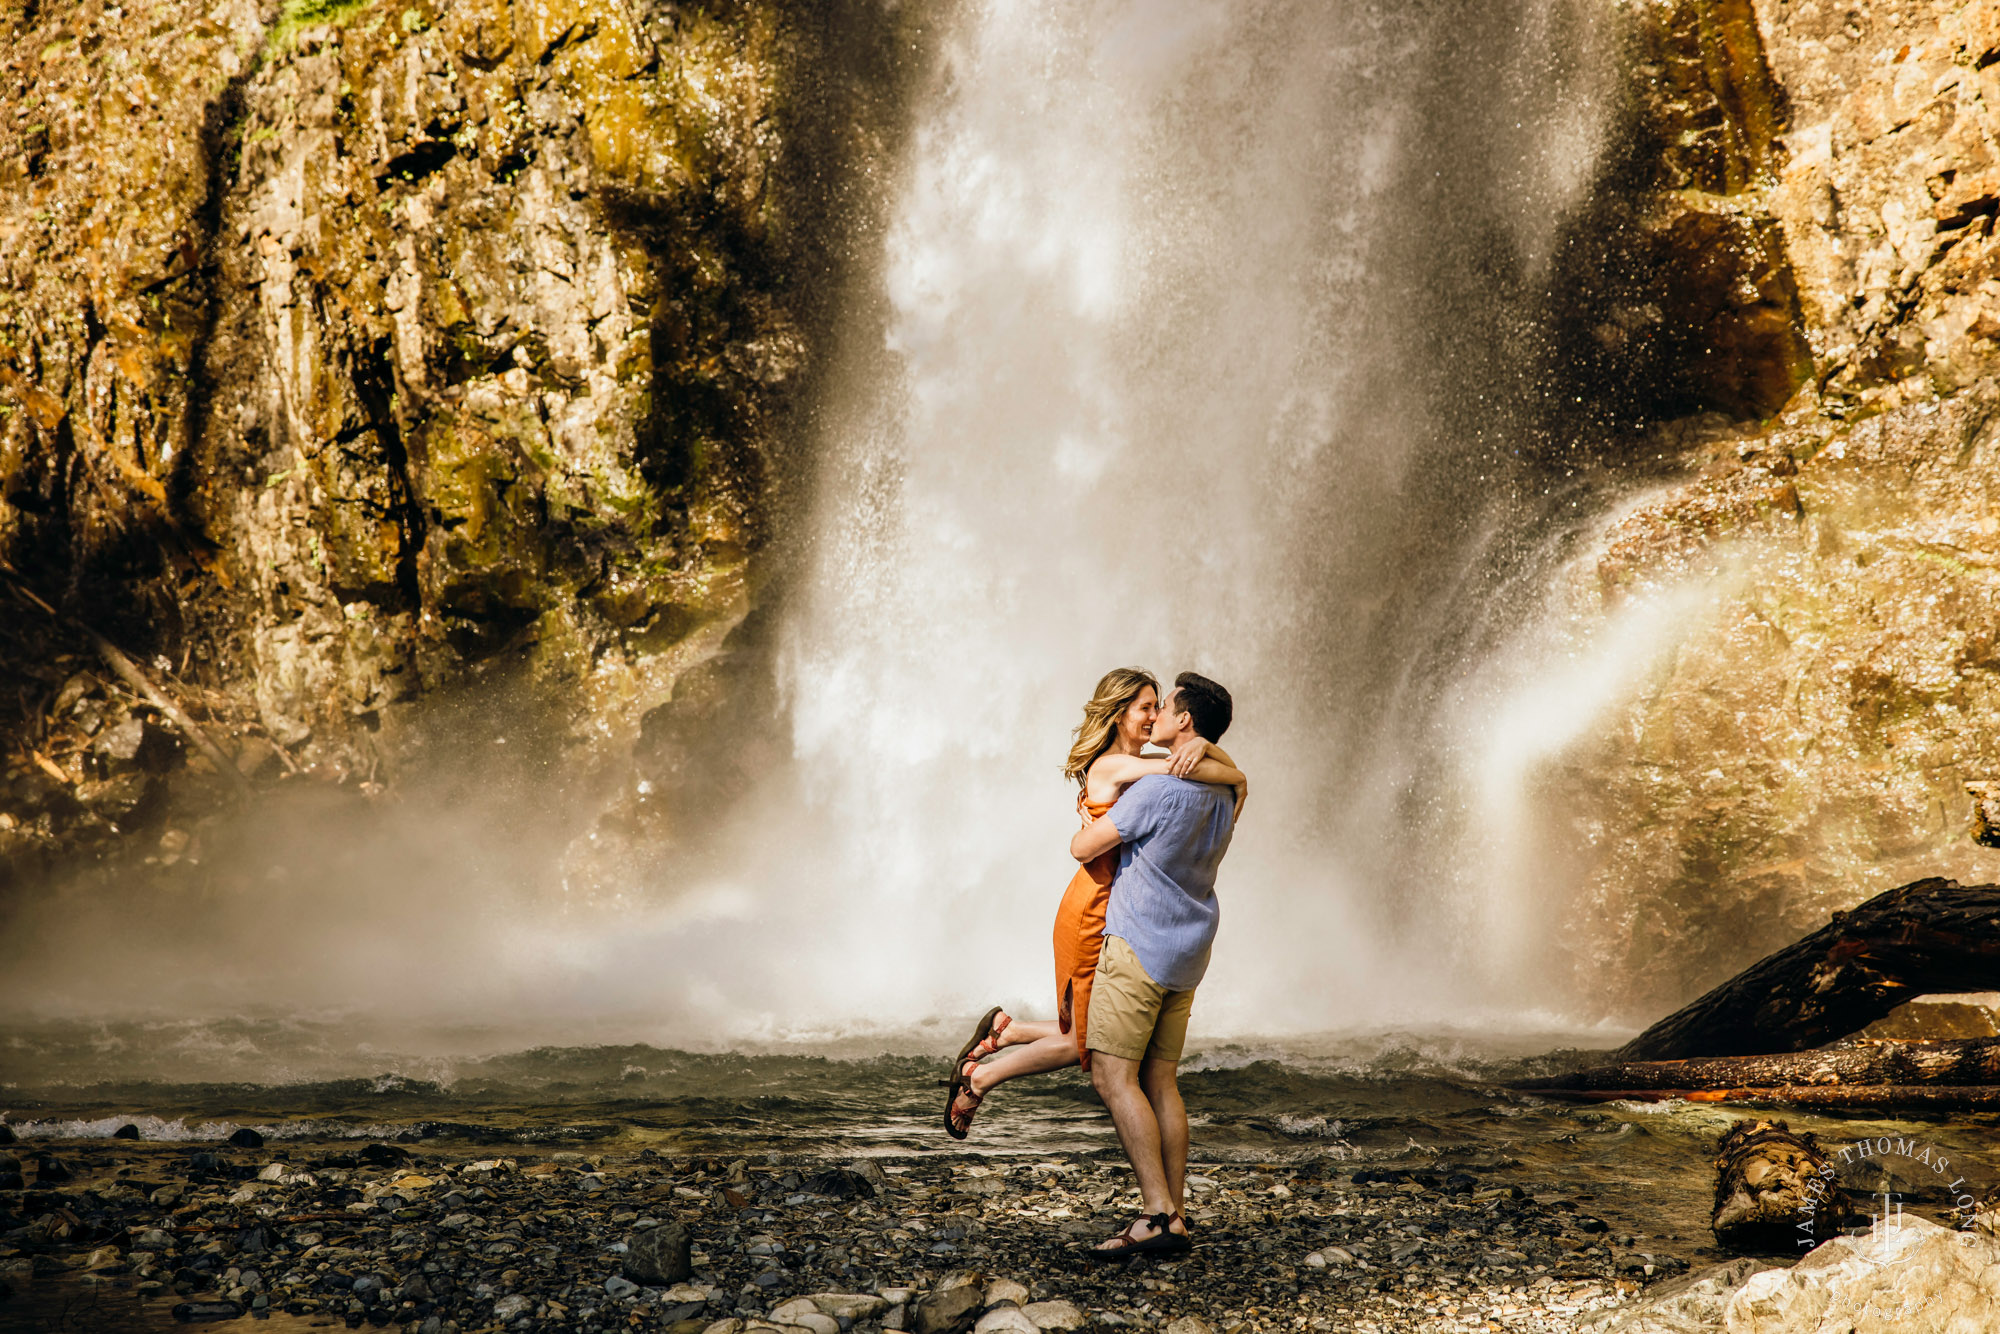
[1805, 741]
[353, 352]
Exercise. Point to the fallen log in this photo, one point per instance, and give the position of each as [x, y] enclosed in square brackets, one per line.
[1851, 1061]
[1885, 1097]
[1929, 936]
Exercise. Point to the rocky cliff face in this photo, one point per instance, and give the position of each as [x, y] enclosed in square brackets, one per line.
[1815, 197]
[354, 352]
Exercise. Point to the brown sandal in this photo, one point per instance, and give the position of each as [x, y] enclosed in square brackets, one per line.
[958, 1124]
[988, 1045]
[1162, 1242]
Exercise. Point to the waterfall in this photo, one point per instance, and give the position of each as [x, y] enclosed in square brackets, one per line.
[1204, 336]
[1208, 337]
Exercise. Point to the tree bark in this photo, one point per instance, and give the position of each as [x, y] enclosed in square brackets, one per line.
[1773, 1187]
[1854, 1061]
[1888, 1097]
[1929, 936]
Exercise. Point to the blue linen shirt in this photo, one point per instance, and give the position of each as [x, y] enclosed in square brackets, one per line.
[1163, 898]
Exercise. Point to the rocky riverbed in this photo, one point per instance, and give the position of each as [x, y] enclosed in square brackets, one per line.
[134, 1235]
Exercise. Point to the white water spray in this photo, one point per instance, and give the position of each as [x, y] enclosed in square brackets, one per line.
[1164, 392]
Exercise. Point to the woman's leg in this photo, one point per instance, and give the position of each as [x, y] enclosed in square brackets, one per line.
[1019, 1031]
[1051, 1052]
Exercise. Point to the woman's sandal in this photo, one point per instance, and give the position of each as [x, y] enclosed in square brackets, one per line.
[991, 1043]
[990, 1025]
[957, 1123]
[1162, 1242]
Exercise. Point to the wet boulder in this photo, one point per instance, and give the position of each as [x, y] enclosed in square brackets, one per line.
[659, 1256]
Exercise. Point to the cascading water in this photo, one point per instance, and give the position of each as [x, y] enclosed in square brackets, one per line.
[1207, 336]
[1208, 347]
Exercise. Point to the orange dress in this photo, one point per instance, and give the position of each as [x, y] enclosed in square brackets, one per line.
[1079, 936]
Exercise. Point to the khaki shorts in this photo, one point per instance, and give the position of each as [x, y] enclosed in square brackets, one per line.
[1131, 1015]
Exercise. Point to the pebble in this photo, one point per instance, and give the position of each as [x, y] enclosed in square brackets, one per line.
[431, 1239]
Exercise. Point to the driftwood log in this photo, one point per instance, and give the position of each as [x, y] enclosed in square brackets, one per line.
[1886, 1097]
[1773, 1188]
[1929, 936]
[1875, 1062]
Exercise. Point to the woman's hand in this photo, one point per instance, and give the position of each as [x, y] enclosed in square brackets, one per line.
[1190, 753]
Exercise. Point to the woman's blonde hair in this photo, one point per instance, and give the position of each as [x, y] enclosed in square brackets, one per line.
[1114, 694]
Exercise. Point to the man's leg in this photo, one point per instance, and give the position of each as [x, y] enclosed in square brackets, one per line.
[1117, 1081]
[1159, 1081]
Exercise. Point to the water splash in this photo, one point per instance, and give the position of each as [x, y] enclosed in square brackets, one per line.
[1169, 287]
[1207, 338]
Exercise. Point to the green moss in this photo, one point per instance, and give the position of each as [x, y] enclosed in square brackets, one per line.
[299, 14]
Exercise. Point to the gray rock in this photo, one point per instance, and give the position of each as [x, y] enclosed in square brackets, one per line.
[946, 1309]
[1058, 1315]
[1006, 1320]
[507, 1308]
[620, 1288]
[658, 1256]
[1691, 1304]
[1913, 1277]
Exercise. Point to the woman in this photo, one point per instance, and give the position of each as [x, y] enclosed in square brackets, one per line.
[1104, 761]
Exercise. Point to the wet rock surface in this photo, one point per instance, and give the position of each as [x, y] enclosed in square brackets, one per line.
[441, 1241]
[354, 353]
[1824, 556]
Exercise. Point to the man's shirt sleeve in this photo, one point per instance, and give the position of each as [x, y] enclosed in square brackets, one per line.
[1137, 813]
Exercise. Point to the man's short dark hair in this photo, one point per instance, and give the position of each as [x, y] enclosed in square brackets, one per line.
[1207, 705]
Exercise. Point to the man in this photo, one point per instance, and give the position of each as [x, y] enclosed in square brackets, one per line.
[1171, 834]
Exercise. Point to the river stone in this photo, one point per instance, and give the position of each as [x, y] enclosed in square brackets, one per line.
[509, 1307]
[856, 1306]
[1006, 1290]
[1190, 1324]
[1911, 1276]
[1058, 1315]
[658, 1256]
[946, 1309]
[1690, 1304]
[1006, 1320]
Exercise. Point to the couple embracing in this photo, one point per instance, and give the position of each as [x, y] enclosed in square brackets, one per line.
[1132, 935]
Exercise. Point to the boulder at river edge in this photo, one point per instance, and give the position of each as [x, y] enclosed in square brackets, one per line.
[658, 1256]
[1910, 1277]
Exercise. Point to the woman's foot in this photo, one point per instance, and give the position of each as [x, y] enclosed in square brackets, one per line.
[996, 1036]
[962, 1102]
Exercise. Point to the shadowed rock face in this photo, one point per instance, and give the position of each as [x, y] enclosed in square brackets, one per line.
[349, 351]
[1805, 741]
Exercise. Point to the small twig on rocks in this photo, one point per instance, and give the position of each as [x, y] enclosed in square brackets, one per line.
[128, 672]
[51, 768]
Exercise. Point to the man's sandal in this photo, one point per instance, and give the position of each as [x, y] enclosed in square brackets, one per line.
[1125, 1245]
[957, 1120]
